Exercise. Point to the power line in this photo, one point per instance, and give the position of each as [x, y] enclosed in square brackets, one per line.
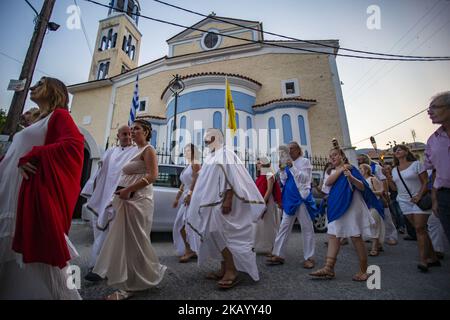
[296, 39]
[35, 11]
[358, 82]
[396, 65]
[269, 43]
[84, 31]
[393, 126]
[358, 91]
[21, 62]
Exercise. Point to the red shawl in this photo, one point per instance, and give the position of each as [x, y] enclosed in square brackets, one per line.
[261, 183]
[47, 199]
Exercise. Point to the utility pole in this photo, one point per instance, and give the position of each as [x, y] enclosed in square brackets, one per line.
[18, 101]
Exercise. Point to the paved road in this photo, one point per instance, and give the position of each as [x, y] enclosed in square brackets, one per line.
[400, 278]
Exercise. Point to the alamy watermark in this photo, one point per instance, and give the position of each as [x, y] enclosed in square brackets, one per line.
[73, 22]
[374, 19]
[374, 279]
[73, 280]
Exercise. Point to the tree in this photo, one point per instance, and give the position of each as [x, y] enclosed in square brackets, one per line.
[2, 118]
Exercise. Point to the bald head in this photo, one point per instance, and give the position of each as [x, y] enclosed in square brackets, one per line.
[213, 138]
[124, 136]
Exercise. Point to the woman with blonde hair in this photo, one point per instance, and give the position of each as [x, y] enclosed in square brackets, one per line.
[127, 258]
[410, 180]
[348, 213]
[39, 187]
[378, 229]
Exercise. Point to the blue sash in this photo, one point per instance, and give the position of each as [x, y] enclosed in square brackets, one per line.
[373, 167]
[291, 199]
[341, 196]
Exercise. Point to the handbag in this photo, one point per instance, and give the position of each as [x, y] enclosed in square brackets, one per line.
[424, 202]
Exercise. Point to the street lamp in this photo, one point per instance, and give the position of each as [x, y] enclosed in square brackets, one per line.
[176, 85]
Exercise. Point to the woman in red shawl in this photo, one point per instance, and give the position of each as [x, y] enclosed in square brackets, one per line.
[267, 226]
[39, 187]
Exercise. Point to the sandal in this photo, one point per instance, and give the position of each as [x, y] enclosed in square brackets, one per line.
[185, 258]
[326, 272]
[119, 295]
[374, 253]
[360, 277]
[274, 261]
[228, 284]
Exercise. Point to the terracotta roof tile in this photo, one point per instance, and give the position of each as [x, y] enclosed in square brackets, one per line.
[284, 100]
[203, 74]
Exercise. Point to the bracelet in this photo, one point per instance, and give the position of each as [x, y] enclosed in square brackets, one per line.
[190, 193]
[146, 181]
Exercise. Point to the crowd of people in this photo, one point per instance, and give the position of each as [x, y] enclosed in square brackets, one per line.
[223, 214]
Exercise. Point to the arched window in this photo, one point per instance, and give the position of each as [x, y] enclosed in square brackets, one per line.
[106, 70]
[169, 135]
[136, 13]
[247, 138]
[217, 120]
[111, 5]
[128, 45]
[182, 138]
[101, 71]
[124, 44]
[109, 41]
[102, 44]
[237, 126]
[114, 40]
[271, 134]
[301, 128]
[132, 52]
[154, 138]
[287, 128]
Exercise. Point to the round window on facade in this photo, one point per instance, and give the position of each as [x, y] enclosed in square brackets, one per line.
[211, 40]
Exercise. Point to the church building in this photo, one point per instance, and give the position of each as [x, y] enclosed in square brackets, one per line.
[275, 85]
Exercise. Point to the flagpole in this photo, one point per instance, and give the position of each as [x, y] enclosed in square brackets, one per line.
[225, 113]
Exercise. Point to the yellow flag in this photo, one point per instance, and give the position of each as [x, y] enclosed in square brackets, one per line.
[230, 109]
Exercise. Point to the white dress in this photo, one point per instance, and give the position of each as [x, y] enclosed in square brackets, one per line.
[378, 229]
[180, 221]
[411, 177]
[356, 221]
[127, 258]
[267, 227]
[31, 280]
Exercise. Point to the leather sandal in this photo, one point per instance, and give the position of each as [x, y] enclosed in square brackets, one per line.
[327, 272]
[275, 260]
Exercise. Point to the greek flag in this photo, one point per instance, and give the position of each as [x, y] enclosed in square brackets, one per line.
[134, 103]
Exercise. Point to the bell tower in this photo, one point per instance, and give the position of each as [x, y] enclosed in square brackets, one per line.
[118, 41]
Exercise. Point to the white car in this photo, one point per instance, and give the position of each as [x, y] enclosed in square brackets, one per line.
[165, 189]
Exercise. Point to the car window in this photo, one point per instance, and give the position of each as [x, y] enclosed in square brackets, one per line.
[168, 177]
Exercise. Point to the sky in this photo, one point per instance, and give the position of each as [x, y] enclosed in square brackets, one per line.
[377, 94]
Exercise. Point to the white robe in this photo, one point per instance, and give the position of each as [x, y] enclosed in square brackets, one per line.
[20, 280]
[103, 186]
[222, 171]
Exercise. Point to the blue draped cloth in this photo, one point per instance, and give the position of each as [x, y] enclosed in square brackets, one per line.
[291, 199]
[341, 195]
